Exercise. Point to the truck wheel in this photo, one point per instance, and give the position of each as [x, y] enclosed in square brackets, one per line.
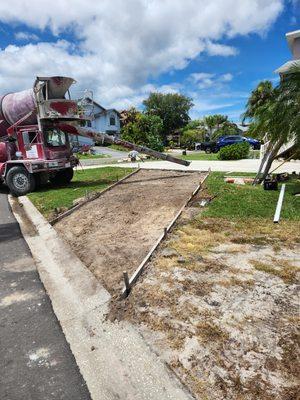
[208, 150]
[62, 177]
[20, 181]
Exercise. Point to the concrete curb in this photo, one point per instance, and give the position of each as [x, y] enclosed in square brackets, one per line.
[113, 358]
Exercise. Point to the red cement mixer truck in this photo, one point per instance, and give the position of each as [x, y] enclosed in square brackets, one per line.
[35, 125]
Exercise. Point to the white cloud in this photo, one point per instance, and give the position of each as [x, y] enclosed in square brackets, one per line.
[119, 45]
[204, 80]
[217, 49]
[26, 36]
[226, 77]
[200, 76]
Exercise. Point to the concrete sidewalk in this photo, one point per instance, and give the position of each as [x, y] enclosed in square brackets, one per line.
[247, 165]
[36, 362]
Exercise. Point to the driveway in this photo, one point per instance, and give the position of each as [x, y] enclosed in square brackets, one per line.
[111, 152]
[36, 362]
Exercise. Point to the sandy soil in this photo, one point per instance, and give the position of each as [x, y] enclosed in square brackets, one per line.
[114, 233]
[222, 309]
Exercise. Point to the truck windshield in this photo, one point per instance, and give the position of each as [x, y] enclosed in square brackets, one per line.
[55, 137]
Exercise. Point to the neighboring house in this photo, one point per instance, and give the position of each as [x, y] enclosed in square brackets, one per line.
[99, 118]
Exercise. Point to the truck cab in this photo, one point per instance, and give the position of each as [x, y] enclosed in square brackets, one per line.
[35, 157]
[33, 153]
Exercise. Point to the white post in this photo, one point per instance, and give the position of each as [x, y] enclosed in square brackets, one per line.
[279, 204]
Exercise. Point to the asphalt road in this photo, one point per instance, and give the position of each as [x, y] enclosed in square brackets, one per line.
[36, 362]
[111, 152]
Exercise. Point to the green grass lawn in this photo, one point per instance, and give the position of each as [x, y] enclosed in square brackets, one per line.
[91, 156]
[198, 156]
[118, 147]
[49, 198]
[246, 201]
[210, 157]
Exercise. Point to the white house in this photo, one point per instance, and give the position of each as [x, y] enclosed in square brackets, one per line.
[293, 39]
[99, 118]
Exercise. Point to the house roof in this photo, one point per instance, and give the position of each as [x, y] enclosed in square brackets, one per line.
[105, 110]
[291, 36]
[113, 109]
[287, 66]
[94, 102]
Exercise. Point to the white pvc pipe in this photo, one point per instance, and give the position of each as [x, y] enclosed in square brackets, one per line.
[279, 204]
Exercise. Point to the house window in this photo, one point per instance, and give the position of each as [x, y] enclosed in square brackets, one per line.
[89, 124]
[112, 120]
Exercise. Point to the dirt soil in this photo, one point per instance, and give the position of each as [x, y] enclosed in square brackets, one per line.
[115, 232]
[219, 303]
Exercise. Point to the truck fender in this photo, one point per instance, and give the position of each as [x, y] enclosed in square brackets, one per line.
[10, 164]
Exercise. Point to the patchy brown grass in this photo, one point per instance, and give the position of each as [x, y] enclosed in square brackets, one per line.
[251, 231]
[189, 260]
[233, 281]
[194, 241]
[201, 287]
[280, 268]
[209, 331]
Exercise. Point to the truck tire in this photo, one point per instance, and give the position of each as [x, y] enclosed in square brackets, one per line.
[208, 150]
[62, 177]
[20, 181]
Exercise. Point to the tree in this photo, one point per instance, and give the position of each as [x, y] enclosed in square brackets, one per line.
[129, 115]
[274, 112]
[145, 130]
[263, 93]
[227, 128]
[214, 122]
[194, 124]
[172, 108]
[218, 125]
[210, 128]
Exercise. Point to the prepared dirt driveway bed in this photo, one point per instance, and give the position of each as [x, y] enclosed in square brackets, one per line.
[115, 232]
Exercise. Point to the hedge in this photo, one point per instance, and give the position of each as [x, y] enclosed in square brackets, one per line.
[234, 151]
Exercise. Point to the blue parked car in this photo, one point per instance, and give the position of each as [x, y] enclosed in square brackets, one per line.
[214, 147]
[228, 140]
[254, 143]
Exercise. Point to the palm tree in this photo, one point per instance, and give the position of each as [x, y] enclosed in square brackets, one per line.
[275, 111]
[258, 98]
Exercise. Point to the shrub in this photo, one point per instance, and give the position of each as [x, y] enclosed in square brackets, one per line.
[190, 137]
[234, 151]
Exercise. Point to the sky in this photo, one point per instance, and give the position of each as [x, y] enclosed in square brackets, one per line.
[214, 51]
